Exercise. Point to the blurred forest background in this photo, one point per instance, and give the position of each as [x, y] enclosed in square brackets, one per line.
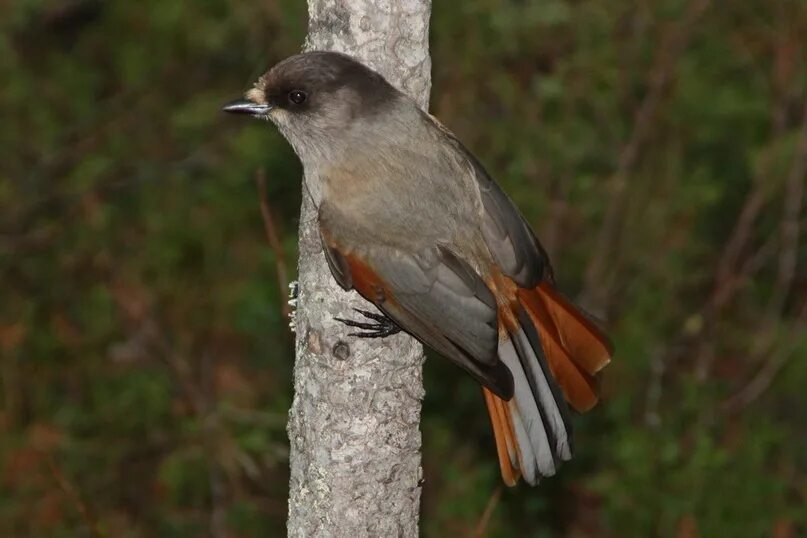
[658, 147]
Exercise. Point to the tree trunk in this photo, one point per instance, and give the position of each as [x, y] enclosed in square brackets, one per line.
[354, 422]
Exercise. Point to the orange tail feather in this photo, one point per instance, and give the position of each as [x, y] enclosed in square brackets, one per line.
[506, 446]
[574, 347]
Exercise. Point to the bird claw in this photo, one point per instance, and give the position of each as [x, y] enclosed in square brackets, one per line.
[382, 326]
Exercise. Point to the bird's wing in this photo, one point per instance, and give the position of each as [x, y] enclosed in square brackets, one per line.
[509, 238]
[432, 295]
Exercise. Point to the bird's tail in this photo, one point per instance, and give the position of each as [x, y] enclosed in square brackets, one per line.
[553, 351]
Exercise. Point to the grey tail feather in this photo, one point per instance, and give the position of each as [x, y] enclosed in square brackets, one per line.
[539, 411]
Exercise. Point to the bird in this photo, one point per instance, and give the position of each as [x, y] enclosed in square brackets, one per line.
[412, 221]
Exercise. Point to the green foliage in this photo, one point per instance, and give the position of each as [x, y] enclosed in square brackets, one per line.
[146, 360]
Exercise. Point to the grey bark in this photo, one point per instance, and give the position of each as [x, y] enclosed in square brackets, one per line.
[354, 423]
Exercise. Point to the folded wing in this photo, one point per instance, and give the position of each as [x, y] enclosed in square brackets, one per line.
[434, 296]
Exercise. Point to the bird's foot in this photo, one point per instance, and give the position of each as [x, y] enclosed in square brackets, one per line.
[380, 327]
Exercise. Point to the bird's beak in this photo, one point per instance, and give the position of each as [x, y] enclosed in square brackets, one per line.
[245, 106]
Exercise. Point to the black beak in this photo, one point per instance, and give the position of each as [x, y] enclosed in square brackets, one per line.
[244, 106]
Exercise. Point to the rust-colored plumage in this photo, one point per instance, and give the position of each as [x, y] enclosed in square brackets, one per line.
[506, 446]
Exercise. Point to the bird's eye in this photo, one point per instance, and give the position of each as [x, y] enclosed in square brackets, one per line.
[297, 97]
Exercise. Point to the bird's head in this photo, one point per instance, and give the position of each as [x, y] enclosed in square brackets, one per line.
[315, 97]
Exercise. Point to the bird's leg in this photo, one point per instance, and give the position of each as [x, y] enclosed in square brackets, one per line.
[380, 327]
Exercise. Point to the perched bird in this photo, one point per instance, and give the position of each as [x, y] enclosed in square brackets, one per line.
[412, 221]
